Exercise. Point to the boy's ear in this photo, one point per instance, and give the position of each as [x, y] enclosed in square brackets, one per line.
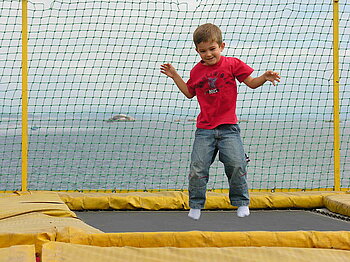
[222, 46]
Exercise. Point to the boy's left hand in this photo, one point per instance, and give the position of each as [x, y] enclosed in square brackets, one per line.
[272, 77]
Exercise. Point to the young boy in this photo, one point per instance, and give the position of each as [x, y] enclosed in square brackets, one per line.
[213, 81]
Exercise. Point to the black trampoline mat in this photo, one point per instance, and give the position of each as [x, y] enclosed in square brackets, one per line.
[219, 221]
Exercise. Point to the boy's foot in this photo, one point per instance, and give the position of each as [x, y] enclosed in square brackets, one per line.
[243, 211]
[194, 213]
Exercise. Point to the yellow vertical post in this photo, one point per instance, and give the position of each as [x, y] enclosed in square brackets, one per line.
[336, 119]
[24, 95]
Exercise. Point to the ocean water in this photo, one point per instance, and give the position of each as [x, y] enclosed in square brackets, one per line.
[83, 154]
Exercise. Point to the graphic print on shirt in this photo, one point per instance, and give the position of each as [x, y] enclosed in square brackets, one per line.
[212, 86]
[215, 81]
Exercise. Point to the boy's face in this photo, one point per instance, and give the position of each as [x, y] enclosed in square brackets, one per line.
[210, 52]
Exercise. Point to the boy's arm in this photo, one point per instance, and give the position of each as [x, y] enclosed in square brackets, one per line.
[169, 70]
[255, 82]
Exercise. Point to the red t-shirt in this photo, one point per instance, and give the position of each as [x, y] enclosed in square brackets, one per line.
[216, 90]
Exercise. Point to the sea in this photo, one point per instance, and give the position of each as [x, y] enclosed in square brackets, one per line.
[153, 153]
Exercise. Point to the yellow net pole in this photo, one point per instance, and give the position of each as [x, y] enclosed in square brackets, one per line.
[336, 95]
[24, 94]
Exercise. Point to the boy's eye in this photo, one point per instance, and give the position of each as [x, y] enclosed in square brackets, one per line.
[210, 49]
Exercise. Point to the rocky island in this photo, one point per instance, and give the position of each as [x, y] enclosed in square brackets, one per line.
[120, 117]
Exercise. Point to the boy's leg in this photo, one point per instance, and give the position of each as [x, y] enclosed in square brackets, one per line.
[203, 154]
[234, 159]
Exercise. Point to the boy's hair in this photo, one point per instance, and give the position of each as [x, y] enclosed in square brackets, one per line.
[207, 33]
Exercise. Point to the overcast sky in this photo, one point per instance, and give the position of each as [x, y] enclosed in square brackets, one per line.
[105, 55]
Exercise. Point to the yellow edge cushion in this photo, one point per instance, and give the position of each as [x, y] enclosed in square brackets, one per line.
[179, 200]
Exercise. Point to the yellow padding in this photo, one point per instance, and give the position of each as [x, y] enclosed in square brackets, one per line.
[308, 199]
[300, 239]
[41, 223]
[25, 253]
[179, 200]
[37, 228]
[338, 203]
[134, 200]
[45, 202]
[60, 252]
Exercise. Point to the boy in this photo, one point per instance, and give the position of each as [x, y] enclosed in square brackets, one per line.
[213, 81]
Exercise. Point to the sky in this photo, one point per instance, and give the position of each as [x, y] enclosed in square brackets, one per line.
[100, 55]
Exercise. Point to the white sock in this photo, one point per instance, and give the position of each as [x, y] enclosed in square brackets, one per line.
[243, 211]
[194, 213]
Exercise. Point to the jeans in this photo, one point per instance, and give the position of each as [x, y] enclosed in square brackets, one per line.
[226, 140]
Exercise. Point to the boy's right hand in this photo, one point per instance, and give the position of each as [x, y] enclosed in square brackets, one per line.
[168, 69]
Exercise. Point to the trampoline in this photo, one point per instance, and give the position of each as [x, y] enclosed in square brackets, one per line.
[218, 221]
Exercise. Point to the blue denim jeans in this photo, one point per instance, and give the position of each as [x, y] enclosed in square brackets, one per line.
[226, 140]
